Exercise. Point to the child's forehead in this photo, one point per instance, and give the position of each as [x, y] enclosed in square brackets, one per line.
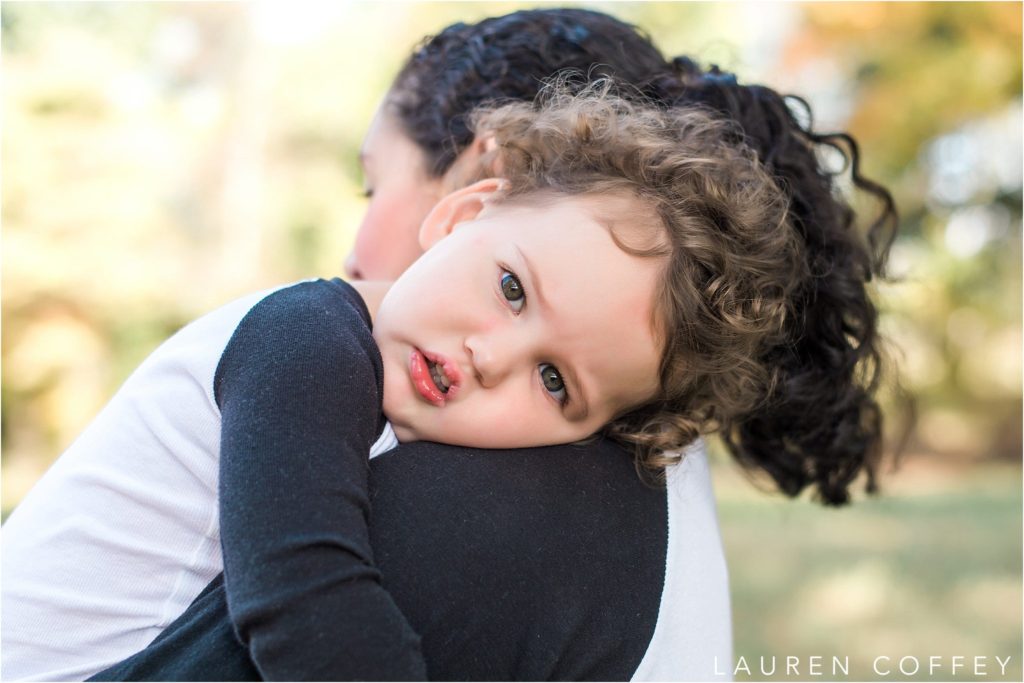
[632, 220]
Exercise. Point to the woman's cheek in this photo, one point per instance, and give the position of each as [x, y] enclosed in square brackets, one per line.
[368, 247]
[387, 241]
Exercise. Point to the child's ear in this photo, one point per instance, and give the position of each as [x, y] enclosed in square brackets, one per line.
[457, 207]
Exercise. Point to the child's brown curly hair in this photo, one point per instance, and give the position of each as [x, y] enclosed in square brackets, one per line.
[733, 259]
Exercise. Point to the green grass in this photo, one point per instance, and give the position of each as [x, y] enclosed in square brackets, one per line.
[926, 569]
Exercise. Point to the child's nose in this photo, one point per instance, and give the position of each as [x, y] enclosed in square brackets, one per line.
[483, 361]
[493, 356]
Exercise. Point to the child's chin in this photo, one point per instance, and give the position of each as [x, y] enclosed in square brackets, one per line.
[405, 433]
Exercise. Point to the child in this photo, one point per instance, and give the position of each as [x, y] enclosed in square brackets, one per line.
[633, 274]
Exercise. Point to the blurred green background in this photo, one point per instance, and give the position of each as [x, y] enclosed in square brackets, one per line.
[162, 158]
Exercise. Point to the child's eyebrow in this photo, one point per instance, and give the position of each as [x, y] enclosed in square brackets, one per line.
[577, 408]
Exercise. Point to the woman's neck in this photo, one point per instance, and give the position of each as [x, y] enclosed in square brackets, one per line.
[372, 292]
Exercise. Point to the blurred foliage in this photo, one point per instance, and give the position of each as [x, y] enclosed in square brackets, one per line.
[162, 158]
[936, 107]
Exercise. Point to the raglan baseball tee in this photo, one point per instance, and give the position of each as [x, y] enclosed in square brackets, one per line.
[542, 563]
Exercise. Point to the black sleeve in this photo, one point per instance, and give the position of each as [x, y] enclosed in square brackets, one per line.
[299, 389]
[200, 645]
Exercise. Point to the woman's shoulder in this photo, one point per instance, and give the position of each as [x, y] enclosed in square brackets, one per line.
[560, 549]
[602, 574]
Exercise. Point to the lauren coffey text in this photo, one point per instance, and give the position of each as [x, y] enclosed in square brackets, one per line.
[938, 666]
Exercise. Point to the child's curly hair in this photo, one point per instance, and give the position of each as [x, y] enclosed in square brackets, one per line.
[733, 258]
[734, 297]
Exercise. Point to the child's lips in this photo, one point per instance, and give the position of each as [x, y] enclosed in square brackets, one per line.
[419, 372]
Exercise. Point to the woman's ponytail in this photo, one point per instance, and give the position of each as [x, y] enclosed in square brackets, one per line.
[821, 425]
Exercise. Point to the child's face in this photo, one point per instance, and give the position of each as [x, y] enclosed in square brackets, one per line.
[542, 325]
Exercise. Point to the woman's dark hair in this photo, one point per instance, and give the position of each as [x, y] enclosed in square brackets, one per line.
[819, 424]
[507, 59]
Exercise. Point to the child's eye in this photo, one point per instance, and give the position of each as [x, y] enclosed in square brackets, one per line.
[552, 380]
[512, 290]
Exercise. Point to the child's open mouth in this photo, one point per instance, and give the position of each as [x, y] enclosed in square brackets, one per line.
[435, 378]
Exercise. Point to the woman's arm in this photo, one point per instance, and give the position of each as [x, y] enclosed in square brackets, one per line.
[299, 391]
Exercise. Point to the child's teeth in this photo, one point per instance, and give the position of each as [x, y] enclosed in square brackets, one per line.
[440, 379]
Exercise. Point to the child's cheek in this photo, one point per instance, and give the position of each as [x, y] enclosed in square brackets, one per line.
[483, 324]
[494, 323]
